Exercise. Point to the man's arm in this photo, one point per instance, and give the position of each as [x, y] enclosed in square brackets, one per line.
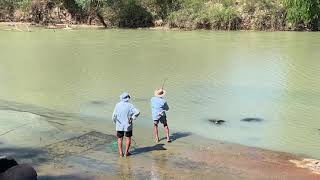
[114, 115]
[134, 113]
[166, 106]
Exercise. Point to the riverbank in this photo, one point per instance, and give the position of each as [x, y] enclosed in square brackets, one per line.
[65, 146]
[268, 15]
[26, 26]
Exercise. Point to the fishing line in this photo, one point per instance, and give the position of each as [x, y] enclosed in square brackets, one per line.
[135, 144]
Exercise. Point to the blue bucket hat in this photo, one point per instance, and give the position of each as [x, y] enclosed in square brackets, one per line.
[125, 97]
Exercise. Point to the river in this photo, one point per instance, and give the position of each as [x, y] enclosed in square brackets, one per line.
[270, 76]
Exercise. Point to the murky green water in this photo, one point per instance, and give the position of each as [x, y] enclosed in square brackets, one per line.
[211, 75]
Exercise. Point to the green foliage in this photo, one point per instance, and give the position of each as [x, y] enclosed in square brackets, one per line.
[122, 13]
[24, 5]
[133, 15]
[91, 5]
[263, 14]
[187, 14]
[224, 17]
[303, 13]
[7, 8]
[77, 11]
[160, 9]
[201, 15]
[83, 3]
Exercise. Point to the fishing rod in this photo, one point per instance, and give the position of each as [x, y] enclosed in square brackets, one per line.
[164, 81]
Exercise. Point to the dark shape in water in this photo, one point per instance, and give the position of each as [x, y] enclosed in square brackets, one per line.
[97, 102]
[252, 119]
[217, 121]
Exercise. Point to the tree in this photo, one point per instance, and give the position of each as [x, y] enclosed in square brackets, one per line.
[133, 15]
[161, 8]
[303, 13]
[7, 8]
[94, 8]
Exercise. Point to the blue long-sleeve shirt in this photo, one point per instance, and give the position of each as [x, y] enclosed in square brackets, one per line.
[123, 114]
[159, 107]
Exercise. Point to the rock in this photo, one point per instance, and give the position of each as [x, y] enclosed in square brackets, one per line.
[6, 163]
[158, 23]
[312, 164]
[19, 172]
[52, 27]
[252, 119]
[217, 121]
[61, 26]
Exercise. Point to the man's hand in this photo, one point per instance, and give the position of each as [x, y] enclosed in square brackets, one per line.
[160, 113]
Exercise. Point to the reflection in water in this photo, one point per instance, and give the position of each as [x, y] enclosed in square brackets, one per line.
[125, 171]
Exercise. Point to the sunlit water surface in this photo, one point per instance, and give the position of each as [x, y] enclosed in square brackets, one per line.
[273, 76]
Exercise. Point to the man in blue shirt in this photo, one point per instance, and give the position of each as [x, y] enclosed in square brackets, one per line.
[123, 115]
[159, 107]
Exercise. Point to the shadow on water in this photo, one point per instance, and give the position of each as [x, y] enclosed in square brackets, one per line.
[179, 135]
[64, 177]
[252, 120]
[25, 154]
[157, 147]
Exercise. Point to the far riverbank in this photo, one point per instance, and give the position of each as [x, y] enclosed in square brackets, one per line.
[270, 15]
[27, 26]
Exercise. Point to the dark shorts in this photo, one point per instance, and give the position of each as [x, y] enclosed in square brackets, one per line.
[120, 134]
[162, 119]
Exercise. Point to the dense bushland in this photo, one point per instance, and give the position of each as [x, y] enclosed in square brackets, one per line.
[184, 14]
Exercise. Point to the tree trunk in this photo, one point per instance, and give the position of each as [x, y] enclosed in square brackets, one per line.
[101, 20]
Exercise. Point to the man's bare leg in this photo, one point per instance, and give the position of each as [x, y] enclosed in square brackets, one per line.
[120, 147]
[128, 143]
[155, 133]
[166, 128]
